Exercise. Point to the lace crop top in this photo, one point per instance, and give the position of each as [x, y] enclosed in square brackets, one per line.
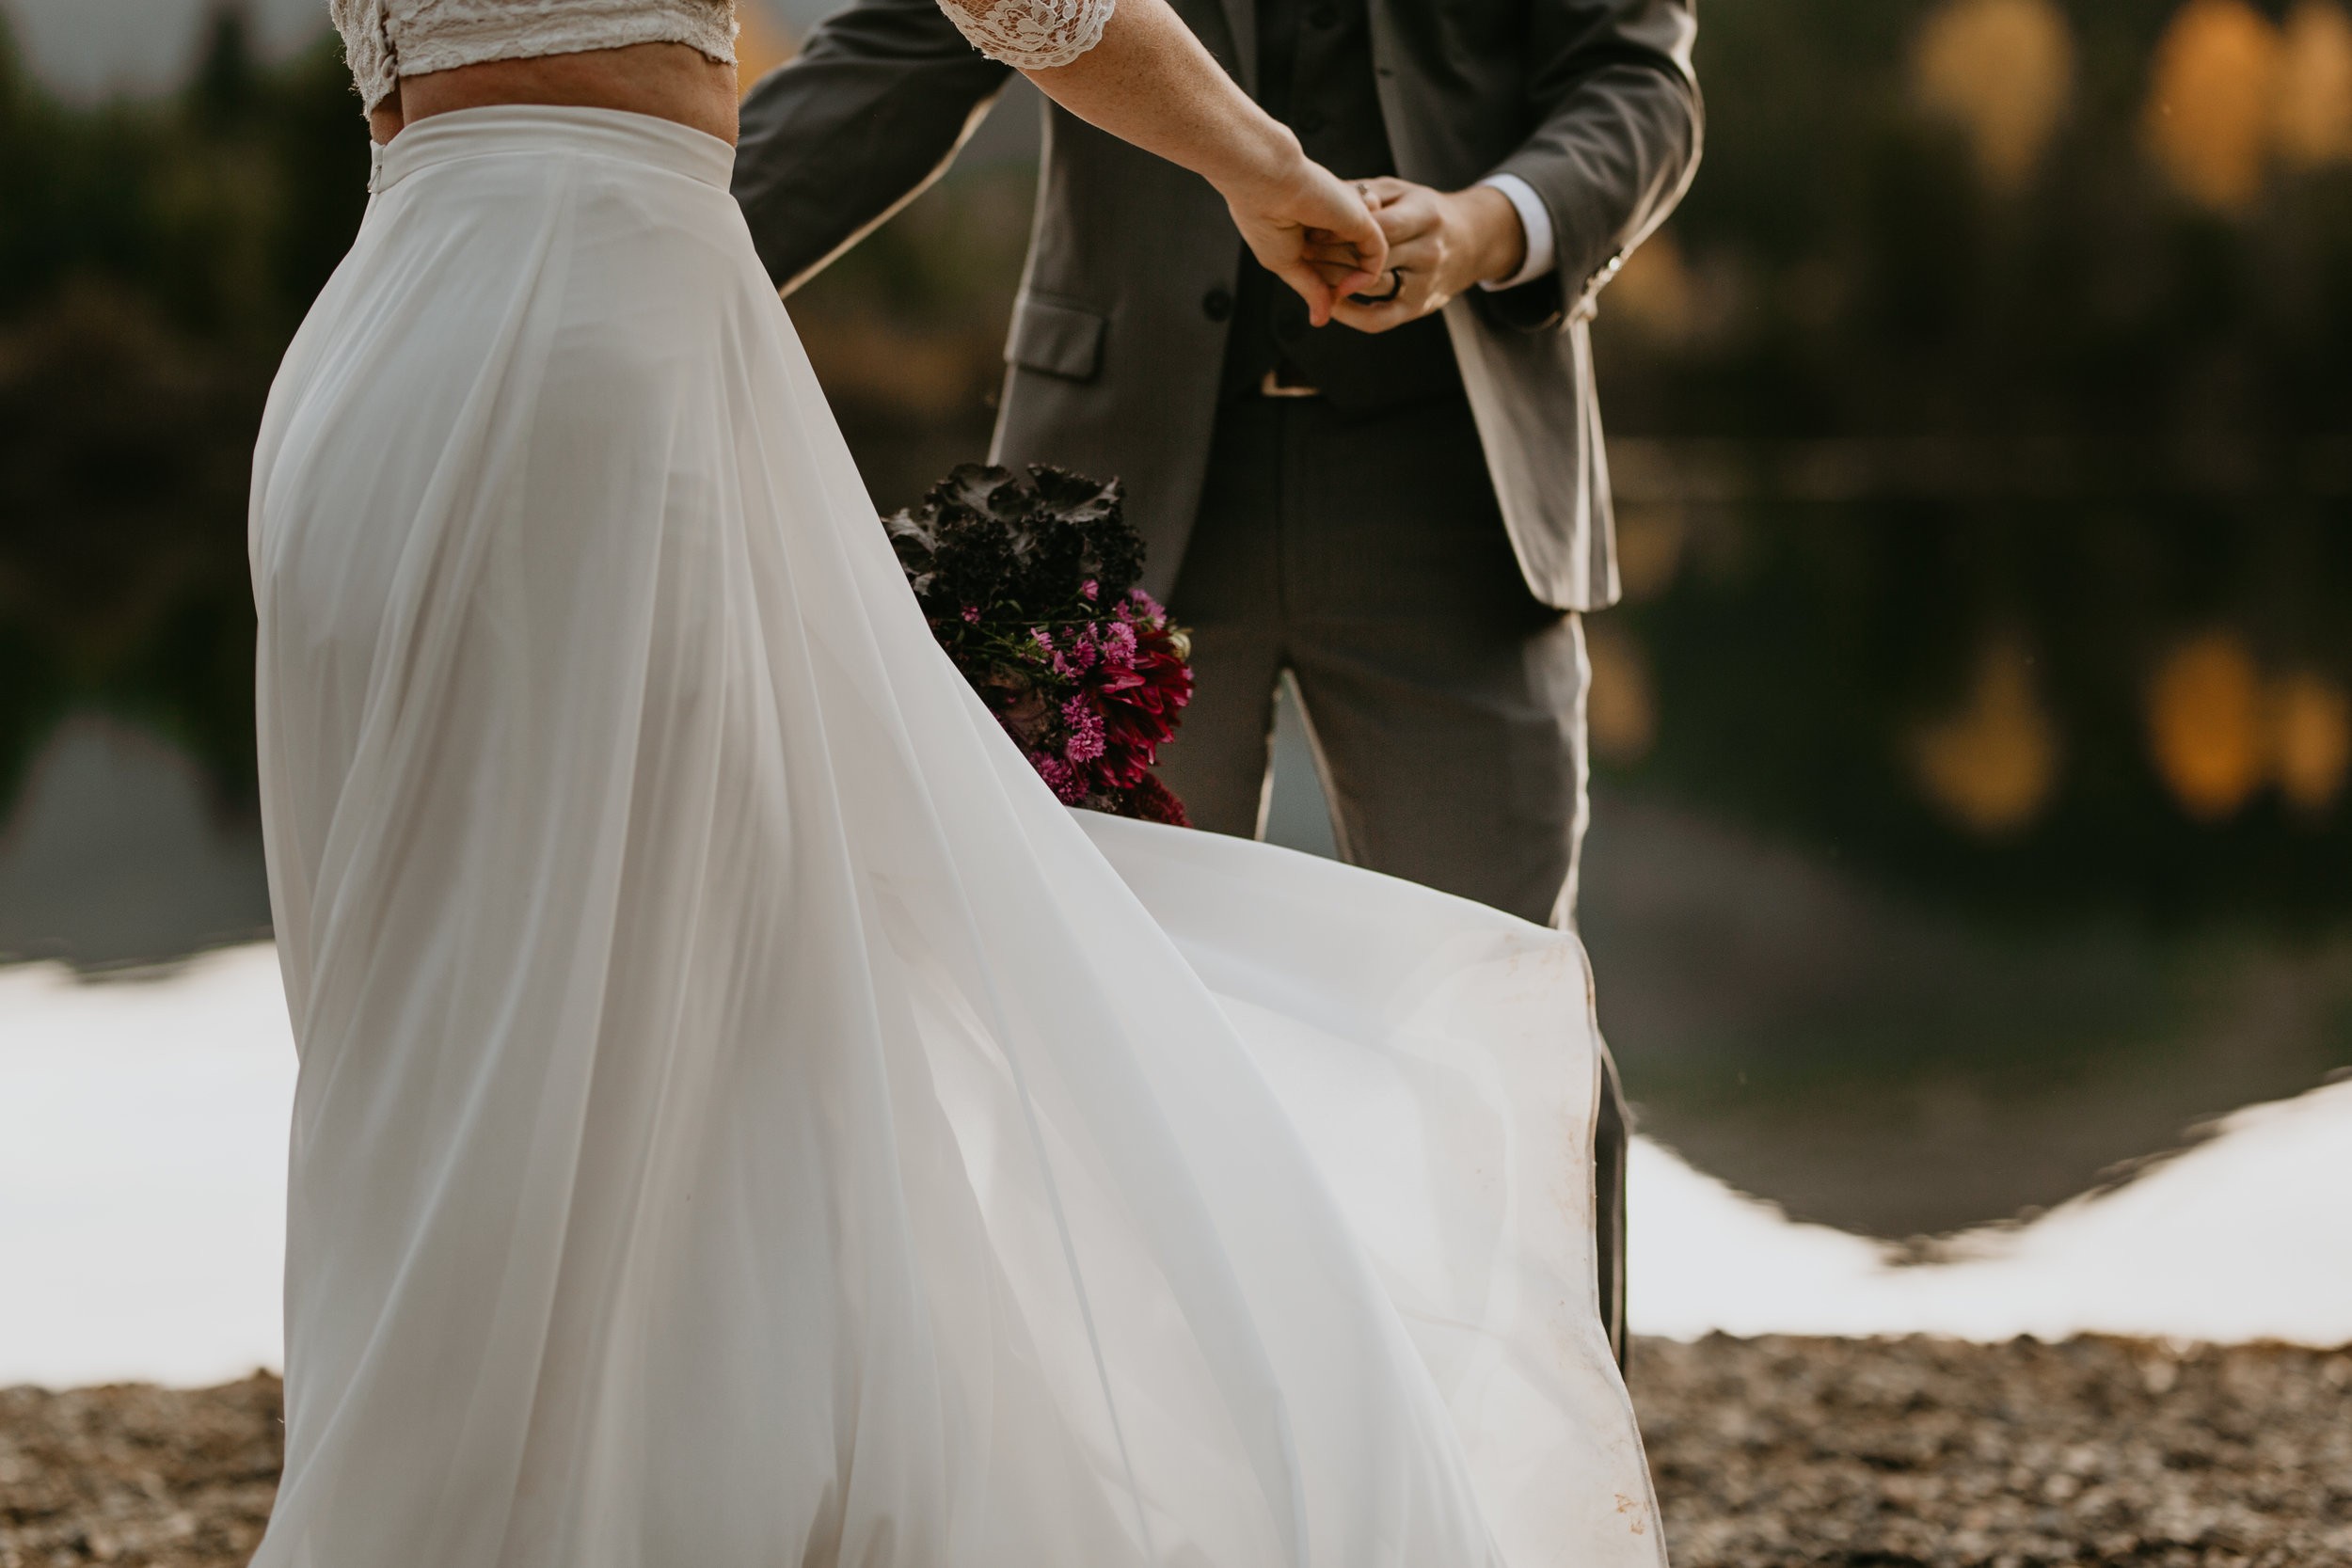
[387, 39]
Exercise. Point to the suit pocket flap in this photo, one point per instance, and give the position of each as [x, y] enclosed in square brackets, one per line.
[1058, 338]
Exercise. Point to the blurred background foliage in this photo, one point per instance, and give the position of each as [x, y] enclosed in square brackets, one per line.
[1979, 719]
[1981, 423]
[1985, 445]
[154, 258]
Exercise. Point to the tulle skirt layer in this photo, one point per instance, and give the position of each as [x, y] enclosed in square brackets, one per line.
[743, 1120]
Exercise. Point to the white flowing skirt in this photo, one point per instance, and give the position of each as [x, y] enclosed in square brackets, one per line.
[744, 1121]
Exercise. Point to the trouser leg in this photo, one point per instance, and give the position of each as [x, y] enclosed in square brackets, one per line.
[1465, 779]
[1446, 704]
[1227, 594]
[1611, 1132]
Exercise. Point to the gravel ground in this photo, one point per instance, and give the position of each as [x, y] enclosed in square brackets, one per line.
[1770, 1453]
[1777, 1452]
[135, 1474]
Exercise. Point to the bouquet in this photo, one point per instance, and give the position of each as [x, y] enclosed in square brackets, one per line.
[1029, 584]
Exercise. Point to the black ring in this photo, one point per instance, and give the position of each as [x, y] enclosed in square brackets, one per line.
[1396, 281]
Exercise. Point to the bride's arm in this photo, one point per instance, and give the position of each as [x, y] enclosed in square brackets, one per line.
[1149, 81]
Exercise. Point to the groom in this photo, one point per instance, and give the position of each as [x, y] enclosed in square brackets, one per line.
[1407, 510]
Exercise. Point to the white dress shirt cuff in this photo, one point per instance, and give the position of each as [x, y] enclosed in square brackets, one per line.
[1535, 222]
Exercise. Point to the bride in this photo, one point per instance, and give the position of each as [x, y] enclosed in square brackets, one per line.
[744, 1121]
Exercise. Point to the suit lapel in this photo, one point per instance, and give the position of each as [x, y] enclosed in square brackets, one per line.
[1389, 82]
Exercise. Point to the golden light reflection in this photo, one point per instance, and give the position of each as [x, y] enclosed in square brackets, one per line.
[2002, 70]
[1650, 540]
[1654, 290]
[1994, 765]
[760, 47]
[865, 359]
[2206, 725]
[1621, 708]
[2315, 118]
[2312, 737]
[2212, 100]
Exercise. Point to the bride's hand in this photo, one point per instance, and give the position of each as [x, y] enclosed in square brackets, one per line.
[1151, 82]
[1309, 228]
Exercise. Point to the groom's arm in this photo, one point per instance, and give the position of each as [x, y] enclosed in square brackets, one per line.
[1615, 147]
[870, 113]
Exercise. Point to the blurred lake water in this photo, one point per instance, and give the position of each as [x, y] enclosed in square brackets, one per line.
[1863, 1003]
[1796, 1011]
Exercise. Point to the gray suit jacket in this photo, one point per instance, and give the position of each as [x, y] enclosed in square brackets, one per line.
[1117, 336]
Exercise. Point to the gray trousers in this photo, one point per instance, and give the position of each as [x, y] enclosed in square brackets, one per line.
[1446, 705]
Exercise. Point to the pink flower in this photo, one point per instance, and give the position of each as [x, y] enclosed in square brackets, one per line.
[1081, 656]
[1140, 706]
[971, 615]
[1090, 588]
[1067, 782]
[1086, 742]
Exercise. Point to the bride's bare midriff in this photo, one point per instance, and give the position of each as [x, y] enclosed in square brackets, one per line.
[670, 81]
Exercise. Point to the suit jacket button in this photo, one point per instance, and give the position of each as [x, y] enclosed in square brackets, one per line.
[1217, 304]
[1311, 121]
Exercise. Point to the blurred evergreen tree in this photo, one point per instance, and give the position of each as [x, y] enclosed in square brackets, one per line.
[1842, 269]
[227, 88]
[1975, 395]
[154, 258]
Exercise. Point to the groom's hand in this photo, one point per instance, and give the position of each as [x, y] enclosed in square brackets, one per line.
[1439, 244]
[1310, 230]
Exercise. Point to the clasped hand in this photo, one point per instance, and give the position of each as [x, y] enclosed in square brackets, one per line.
[1439, 244]
[1375, 254]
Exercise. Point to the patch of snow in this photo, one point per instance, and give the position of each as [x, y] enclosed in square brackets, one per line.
[2246, 1236]
[143, 1171]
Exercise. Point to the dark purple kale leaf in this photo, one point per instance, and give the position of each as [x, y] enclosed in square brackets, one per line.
[986, 537]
